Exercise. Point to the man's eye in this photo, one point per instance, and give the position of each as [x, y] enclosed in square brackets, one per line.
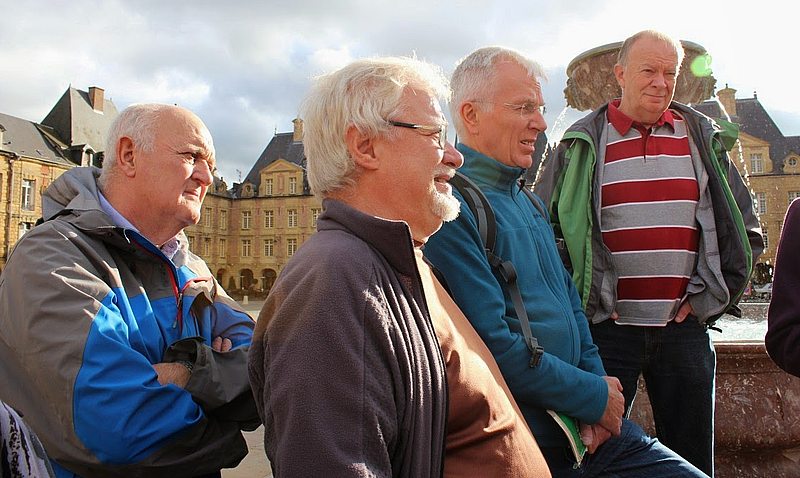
[531, 108]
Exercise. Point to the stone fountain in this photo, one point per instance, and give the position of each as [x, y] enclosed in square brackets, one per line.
[591, 82]
[757, 405]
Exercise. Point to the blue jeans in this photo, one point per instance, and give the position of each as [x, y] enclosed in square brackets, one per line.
[678, 363]
[632, 454]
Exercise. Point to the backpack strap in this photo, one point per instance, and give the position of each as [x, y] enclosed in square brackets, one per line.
[487, 229]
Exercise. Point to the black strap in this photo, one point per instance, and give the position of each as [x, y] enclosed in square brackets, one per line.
[487, 229]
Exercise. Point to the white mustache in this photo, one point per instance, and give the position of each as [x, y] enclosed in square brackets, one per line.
[444, 171]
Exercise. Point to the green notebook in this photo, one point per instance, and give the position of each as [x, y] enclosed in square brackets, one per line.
[570, 427]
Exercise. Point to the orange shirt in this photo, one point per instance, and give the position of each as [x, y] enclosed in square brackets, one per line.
[486, 433]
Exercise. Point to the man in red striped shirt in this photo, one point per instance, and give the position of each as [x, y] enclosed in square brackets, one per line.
[661, 233]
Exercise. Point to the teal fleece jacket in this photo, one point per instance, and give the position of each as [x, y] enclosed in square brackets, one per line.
[569, 377]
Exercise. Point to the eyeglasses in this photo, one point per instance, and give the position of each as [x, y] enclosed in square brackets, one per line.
[528, 108]
[425, 129]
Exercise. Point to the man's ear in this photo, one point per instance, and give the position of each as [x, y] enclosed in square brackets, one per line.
[126, 157]
[361, 148]
[469, 117]
[619, 75]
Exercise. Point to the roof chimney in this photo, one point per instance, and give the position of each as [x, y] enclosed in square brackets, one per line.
[727, 97]
[298, 130]
[96, 98]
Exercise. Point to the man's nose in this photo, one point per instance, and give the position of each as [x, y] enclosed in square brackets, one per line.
[538, 122]
[660, 80]
[452, 157]
[202, 173]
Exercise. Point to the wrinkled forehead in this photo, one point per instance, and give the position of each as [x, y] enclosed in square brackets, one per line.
[186, 130]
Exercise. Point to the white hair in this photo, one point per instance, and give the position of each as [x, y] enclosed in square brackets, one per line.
[473, 77]
[137, 122]
[363, 94]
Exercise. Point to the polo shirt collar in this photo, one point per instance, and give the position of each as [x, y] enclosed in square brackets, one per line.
[622, 123]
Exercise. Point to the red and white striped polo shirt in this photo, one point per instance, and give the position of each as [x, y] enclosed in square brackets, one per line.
[648, 202]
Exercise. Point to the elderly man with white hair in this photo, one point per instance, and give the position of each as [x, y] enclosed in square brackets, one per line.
[361, 363]
[116, 343]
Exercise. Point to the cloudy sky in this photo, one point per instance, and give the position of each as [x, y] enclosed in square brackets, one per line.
[244, 66]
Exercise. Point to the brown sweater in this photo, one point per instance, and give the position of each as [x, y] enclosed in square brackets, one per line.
[486, 433]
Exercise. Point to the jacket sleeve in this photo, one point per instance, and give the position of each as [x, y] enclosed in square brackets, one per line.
[783, 330]
[219, 381]
[322, 370]
[457, 252]
[98, 405]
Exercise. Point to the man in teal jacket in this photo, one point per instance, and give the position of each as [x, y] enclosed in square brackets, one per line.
[659, 227]
[496, 109]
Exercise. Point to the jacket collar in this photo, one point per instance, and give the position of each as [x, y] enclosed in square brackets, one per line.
[392, 239]
[622, 123]
[488, 171]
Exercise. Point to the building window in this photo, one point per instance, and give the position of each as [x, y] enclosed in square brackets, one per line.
[760, 204]
[268, 187]
[269, 219]
[315, 211]
[207, 216]
[191, 242]
[246, 219]
[291, 247]
[793, 195]
[292, 185]
[245, 247]
[24, 227]
[223, 245]
[792, 162]
[206, 247]
[223, 219]
[28, 191]
[291, 218]
[269, 245]
[766, 238]
[756, 163]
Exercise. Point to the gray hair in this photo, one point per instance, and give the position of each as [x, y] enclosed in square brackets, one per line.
[363, 94]
[137, 122]
[624, 51]
[473, 78]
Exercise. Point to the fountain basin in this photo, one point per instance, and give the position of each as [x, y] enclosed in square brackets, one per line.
[757, 420]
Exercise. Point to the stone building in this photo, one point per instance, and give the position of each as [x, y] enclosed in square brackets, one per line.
[769, 162]
[248, 233]
[33, 154]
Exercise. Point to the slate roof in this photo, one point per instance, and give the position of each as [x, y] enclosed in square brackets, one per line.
[754, 120]
[74, 120]
[32, 140]
[282, 146]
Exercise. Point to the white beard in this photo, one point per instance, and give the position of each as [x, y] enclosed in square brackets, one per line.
[445, 206]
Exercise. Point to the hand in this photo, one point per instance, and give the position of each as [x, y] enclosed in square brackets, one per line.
[683, 312]
[615, 407]
[221, 344]
[614, 315]
[593, 436]
[172, 372]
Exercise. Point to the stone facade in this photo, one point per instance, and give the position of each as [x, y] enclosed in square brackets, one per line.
[247, 234]
[769, 162]
[32, 155]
